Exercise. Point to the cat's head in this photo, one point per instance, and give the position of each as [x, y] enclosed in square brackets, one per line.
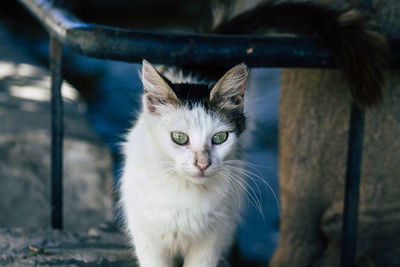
[195, 127]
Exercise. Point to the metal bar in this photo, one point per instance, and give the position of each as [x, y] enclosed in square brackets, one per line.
[56, 134]
[180, 49]
[352, 185]
[176, 49]
[353, 173]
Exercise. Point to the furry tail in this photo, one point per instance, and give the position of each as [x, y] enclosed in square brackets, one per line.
[356, 45]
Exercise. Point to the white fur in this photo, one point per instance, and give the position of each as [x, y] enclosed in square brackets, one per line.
[168, 210]
[172, 207]
[176, 75]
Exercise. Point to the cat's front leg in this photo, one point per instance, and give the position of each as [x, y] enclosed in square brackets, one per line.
[150, 254]
[208, 251]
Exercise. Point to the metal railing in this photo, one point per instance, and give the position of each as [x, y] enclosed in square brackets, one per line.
[190, 50]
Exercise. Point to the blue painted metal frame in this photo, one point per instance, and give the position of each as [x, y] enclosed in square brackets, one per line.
[353, 175]
[191, 50]
[182, 49]
[176, 49]
[57, 135]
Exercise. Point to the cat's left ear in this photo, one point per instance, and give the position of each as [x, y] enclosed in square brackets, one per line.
[228, 93]
[156, 90]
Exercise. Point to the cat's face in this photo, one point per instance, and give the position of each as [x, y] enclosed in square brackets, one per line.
[195, 138]
[194, 142]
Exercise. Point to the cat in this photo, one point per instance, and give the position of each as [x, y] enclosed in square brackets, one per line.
[182, 178]
[181, 187]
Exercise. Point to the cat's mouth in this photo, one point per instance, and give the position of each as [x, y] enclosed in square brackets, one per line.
[200, 176]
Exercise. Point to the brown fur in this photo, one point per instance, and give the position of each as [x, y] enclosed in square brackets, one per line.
[313, 128]
[357, 47]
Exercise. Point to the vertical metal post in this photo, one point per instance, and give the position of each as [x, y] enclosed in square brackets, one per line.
[57, 134]
[353, 173]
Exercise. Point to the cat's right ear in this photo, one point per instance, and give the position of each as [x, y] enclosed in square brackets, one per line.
[228, 93]
[156, 90]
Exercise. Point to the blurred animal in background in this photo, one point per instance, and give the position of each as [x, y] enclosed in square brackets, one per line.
[313, 138]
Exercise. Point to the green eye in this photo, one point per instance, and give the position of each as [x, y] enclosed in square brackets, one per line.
[219, 138]
[180, 138]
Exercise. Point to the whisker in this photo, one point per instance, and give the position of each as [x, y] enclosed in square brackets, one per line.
[251, 175]
[252, 194]
[245, 163]
[234, 186]
[249, 190]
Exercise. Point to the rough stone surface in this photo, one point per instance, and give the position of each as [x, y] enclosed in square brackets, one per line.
[101, 246]
[25, 149]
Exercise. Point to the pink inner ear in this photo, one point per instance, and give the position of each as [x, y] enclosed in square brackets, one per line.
[150, 102]
[237, 100]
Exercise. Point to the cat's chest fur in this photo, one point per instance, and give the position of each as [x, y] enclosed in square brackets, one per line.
[176, 214]
[177, 222]
[179, 204]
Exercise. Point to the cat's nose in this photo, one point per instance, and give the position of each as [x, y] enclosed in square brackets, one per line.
[202, 161]
[202, 165]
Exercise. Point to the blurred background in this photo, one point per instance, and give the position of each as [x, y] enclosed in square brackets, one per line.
[101, 99]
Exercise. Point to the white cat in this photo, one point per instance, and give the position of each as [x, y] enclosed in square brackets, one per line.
[182, 181]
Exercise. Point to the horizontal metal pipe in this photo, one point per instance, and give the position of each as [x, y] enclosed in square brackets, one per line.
[179, 49]
[182, 49]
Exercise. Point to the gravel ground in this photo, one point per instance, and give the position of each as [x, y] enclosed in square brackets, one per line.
[101, 246]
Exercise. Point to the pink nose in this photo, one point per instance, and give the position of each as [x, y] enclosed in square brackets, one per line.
[202, 165]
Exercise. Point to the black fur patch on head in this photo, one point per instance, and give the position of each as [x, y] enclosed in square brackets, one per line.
[192, 95]
[230, 116]
[233, 117]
